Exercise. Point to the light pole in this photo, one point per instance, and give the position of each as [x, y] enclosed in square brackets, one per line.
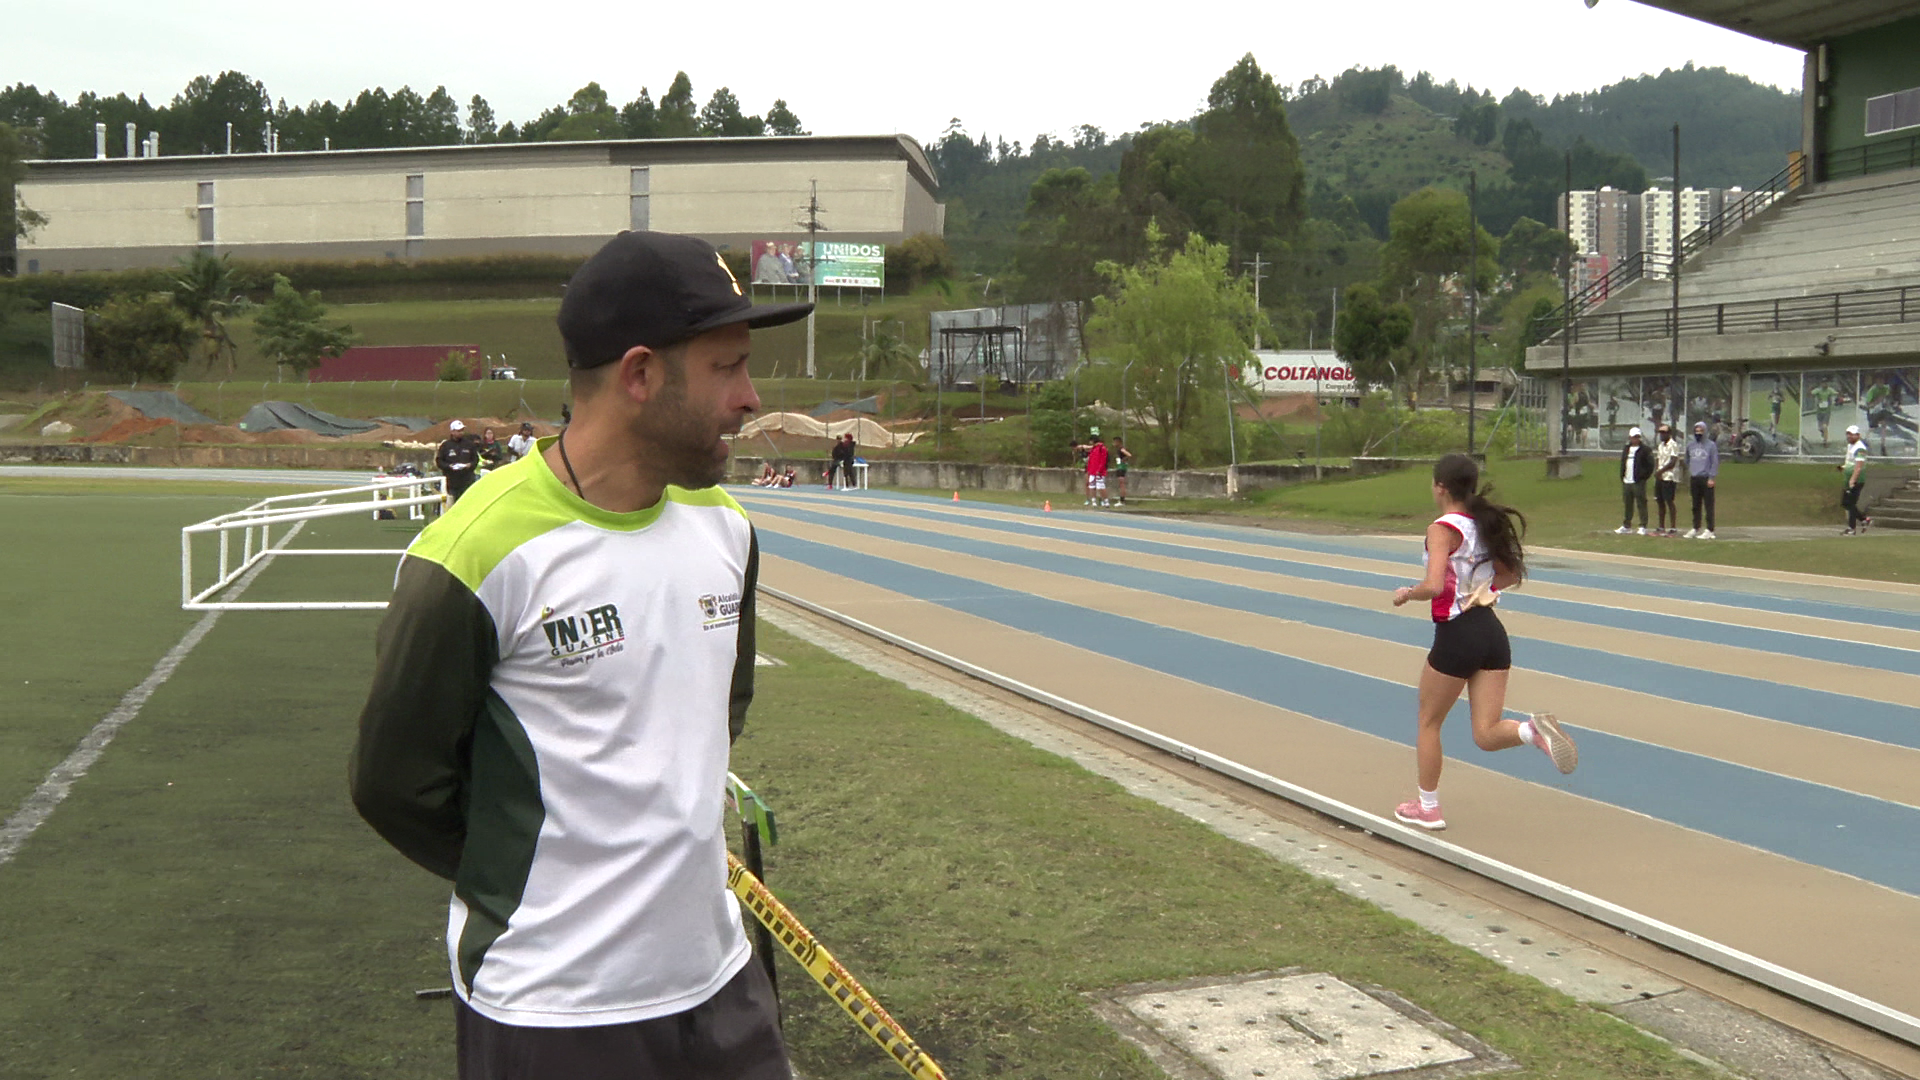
[1179, 408]
[1566, 312]
[1473, 298]
[1226, 385]
[1123, 401]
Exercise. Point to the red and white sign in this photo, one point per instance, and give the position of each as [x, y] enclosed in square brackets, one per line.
[1301, 371]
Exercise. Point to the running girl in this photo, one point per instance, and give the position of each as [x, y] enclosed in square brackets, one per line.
[1473, 551]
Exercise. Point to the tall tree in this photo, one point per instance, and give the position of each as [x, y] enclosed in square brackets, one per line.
[590, 115]
[17, 219]
[1073, 224]
[781, 121]
[204, 289]
[481, 125]
[196, 121]
[722, 116]
[639, 119]
[678, 116]
[292, 328]
[1178, 320]
[1370, 332]
[1425, 263]
[1240, 181]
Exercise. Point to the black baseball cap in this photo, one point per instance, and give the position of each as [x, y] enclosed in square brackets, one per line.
[655, 289]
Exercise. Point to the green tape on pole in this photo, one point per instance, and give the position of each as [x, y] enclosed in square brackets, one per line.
[753, 810]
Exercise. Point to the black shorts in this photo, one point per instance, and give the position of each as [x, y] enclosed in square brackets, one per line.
[733, 1034]
[1473, 642]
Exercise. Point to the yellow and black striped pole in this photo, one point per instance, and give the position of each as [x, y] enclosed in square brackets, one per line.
[832, 977]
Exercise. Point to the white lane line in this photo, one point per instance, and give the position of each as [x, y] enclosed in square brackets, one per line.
[53, 790]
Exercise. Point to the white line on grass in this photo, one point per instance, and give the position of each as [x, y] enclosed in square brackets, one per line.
[53, 790]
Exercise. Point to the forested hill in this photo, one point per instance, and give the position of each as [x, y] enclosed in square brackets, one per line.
[1375, 136]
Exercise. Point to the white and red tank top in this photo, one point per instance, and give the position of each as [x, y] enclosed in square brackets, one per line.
[1468, 568]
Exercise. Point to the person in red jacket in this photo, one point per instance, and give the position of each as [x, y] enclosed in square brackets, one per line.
[1098, 458]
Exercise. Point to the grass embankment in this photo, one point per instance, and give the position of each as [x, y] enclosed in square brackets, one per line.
[1581, 514]
[522, 330]
[206, 904]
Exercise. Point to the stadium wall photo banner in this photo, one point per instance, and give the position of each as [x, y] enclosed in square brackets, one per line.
[854, 266]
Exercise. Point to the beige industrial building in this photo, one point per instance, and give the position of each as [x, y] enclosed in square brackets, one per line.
[503, 198]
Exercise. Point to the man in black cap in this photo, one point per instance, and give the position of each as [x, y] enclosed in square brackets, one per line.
[566, 659]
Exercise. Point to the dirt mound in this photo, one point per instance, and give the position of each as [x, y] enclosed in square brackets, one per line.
[215, 434]
[126, 429]
[287, 437]
[502, 429]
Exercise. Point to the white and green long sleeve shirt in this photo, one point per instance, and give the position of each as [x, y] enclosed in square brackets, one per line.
[556, 690]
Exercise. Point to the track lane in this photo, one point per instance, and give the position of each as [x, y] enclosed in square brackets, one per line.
[1776, 898]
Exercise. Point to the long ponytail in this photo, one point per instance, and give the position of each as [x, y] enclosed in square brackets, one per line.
[1501, 527]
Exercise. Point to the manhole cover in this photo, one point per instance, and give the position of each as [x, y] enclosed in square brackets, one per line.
[1290, 1027]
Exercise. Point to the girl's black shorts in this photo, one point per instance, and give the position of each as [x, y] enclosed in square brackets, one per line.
[1473, 642]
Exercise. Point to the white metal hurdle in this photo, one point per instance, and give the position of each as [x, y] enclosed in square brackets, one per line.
[255, 525]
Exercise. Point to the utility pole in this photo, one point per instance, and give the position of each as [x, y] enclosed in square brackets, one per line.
[1673, 266]
[1259, 274]
[1473, 297]
[812, 223]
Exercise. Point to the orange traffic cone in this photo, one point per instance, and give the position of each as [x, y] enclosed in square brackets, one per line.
[1047, 506]
[956, 496]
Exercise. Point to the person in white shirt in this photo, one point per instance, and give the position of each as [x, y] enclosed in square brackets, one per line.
[522, 442]
[566, 659]
[1666, 481]
[1855, 468]
[1473, 551]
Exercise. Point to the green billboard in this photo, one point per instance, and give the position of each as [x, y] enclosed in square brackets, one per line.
[862, 266]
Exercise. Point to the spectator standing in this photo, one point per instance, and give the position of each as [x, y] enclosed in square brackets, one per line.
[1098, 458]
[522, 442]
[1703, 469]
[492, 451]
[1666, 481]
[847, 457]
[1118, 470]
[1636, 466]
[457, 460]
[557, 682]
[1855, 469]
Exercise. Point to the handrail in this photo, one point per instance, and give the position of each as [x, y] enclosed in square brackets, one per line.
[1870, 158]
[1865, 307]
[1648, 263]
[1750, 203]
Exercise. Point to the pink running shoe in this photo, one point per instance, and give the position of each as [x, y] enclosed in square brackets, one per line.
[1555, 743]
[1413, 813]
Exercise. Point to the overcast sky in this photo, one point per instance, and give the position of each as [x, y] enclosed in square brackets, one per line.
[1008, 69]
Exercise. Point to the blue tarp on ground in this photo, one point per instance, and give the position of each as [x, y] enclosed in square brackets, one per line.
[162, 405]
[279, 415]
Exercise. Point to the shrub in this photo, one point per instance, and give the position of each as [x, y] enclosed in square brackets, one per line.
[456, 367]
[146, 337]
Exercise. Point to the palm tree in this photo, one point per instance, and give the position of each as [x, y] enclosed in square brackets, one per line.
[204, 289]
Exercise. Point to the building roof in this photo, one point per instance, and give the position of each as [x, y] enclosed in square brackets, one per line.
[768, 148]
[1799, 23]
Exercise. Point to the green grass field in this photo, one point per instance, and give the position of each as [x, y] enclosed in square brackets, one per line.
[207, 905]
[1581, 514]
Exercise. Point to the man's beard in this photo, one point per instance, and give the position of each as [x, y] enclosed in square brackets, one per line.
[683, 440]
